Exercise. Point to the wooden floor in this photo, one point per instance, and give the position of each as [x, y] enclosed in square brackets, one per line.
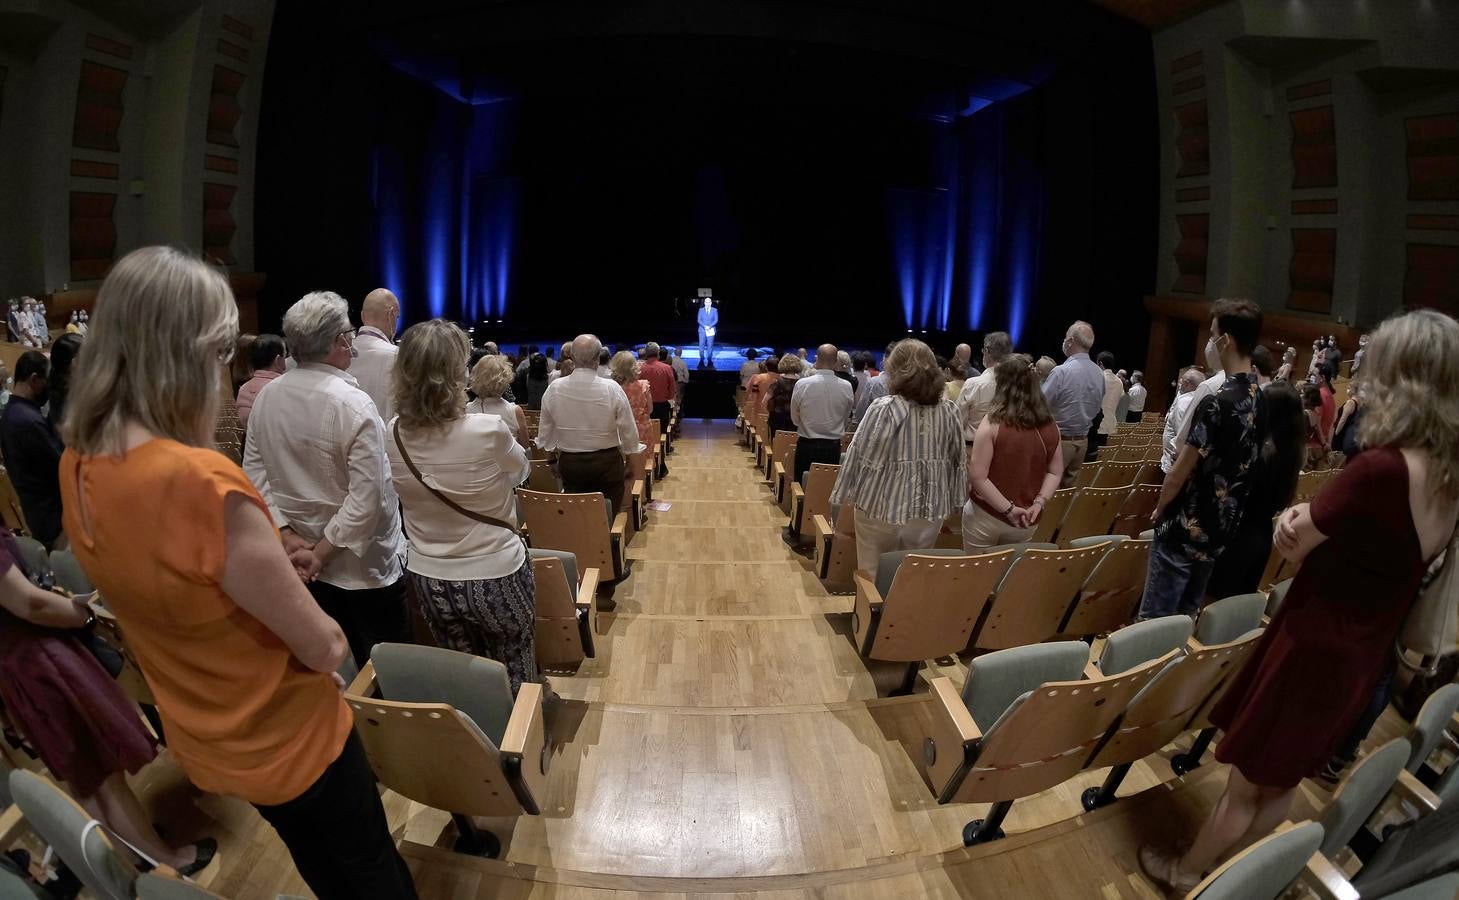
[728, 740]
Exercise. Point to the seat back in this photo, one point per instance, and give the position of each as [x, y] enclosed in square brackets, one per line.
[1116, 474]
[820, 480]
[1111, 594]
[1230, 618]
[1052, 516]
[1092, 513]
[542, 478]
[934, 602]
[1132, 454]
[1046, 735]
[559, 629]
[782, 450]
[425, 748]
[10, 511]
[37, 560]
[1362, 789]
[86, 849]
[1133, 515]
[576, 523]
[1087, 473]
[1134, 645]
[1031, 601]
[154, 886]
[1263, 870]
[68, 572]
[1428, 726]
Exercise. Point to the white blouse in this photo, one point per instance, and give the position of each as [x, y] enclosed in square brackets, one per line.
[496, 407]
[478, 464]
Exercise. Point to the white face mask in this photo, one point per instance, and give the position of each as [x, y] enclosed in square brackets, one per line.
[1213, 357]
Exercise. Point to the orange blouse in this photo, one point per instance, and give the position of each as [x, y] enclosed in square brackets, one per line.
[640, 400]
[243, 716]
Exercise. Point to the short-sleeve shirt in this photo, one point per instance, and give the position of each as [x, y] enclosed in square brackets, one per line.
[1227, 429]
[243, 716]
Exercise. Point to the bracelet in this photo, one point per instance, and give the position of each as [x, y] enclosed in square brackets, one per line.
[1011, 504]
[1039, 500]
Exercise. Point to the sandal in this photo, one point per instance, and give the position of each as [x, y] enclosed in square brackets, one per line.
[207, 849]
[1164, 870]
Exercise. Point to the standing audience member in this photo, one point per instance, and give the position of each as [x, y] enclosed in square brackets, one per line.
[605, 356]
[779, 394]
[316, 452]
[456, 473]
[1312, 408]
[820, 407]
[1324, 373]
[681, 373]
[1264, 365]
[1345, 434]
[1205, 389]
[760, 384]
[663, 384]
[42, 325]
[903, 474]
[956, 375]
[1370, 533]
[860, 360]
[749, 368]
[1044, 367]
[32, 449]
[1114, 392]
[1205, 492]
[375, 350]
[843, 370]
[626, 372]
[588, 428]
[1015, 464]
[1289, 360]
[241, 367]
[876, 386]
[269, 356]
[1190, 380]
[490, 378]
[239, 656]
[1137, 394]
[976, 398]
[536, 380]
[1074, 391]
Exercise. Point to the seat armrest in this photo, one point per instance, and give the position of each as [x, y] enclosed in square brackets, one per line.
[865, 612]
[824, 535]
[12, 825]
[524, 748]
[1091, 672]
[1325, 880]
[618, 536]
[636, 497]
[364, 683]
[797, 504]
[1409, 789]
[588, 596]
[777, 480]
[951, 739]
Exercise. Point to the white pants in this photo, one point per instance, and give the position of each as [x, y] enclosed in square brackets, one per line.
[875, 537]
[982, 529]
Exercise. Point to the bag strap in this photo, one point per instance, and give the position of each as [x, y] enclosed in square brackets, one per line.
[470, 514]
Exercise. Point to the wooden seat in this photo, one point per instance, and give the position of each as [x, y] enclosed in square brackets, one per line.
[1026, 721]
[835, 559]
[815, 498]
[1053, 515]
[10, 511]
[782, 447]
[1110, 596]
[1115, 474]
[1169, 706]
[1150, 472]
[567, 616]
[164, 884]
[1264, 870]
[577, 523]
[542, 478]
[1134, 453]
[88, 851]
[1092, 512]
[1033, 597]
[441, 728]
[1087, 473]
[923, 605]
[1133, 515]
[782, 472]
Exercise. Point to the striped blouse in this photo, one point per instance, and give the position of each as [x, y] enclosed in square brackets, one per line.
[905, 462]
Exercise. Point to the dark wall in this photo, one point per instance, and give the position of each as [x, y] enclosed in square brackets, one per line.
[620, 204]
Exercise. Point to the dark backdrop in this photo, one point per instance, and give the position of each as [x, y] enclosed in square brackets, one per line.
[814, 214]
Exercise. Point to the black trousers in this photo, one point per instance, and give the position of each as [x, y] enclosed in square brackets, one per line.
[597, 472]
[815, 450]
[368, 616]
[337, 834]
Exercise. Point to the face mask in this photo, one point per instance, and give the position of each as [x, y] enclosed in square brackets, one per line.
[1213, 358]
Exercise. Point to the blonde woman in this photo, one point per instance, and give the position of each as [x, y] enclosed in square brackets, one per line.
[489, 380]
[903, 474]
[455, 473]
[1366, 540]
[626, 370]
[240, 658]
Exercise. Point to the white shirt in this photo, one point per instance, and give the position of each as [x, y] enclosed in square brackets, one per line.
[605, 372]
[820, 405]
[1183, 426]
[316, 452]
[478, 464]
[976, 401]
[1114, 389]
[496, 407]
[681, 369]
[583, 413]
[1137, 394]
[374, 367]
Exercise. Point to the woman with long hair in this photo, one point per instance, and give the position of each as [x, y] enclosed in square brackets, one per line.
[1364, 544]
[241, 659]
[490, 379]
[1016, 464]
[63, 355]
[903, 473]
[626, 370]
[456, 473]
[777, 397]
[538, 377]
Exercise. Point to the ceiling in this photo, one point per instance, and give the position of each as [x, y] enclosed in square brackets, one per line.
[1155, 14]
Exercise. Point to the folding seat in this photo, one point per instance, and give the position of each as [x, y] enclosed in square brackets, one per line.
[835, 556]
[923, 605]
[33, 554]
[567, 617]
[1116, 474]
[1132, 453]
[812, 497]
[68, 572]
[1429, 725]
[1092, 512]
[1264, 870]
[782, 451]
[1087, 473]
[162, 884]
[578, 524]
[1034, 597]
[1223, 622]
[1133, 516]
[1053, 515]
[542, 479]
[1028, 719]
[10, 512]
[1110, 596]
[488, 754]
[782, 472]
[88, 851]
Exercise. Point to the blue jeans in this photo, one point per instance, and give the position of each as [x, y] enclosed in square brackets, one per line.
[1174, 583]
[706, 349]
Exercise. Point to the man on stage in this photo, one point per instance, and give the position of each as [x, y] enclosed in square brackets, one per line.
[708, 325]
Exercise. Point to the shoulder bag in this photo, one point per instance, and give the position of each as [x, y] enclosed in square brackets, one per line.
[470, 514]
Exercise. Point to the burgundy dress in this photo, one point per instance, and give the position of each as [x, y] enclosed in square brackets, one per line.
[63, 702]
[1319, 661]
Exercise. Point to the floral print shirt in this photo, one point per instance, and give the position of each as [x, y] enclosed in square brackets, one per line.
[1227, 429]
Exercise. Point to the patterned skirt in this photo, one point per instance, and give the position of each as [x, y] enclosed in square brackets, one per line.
[495, 618]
